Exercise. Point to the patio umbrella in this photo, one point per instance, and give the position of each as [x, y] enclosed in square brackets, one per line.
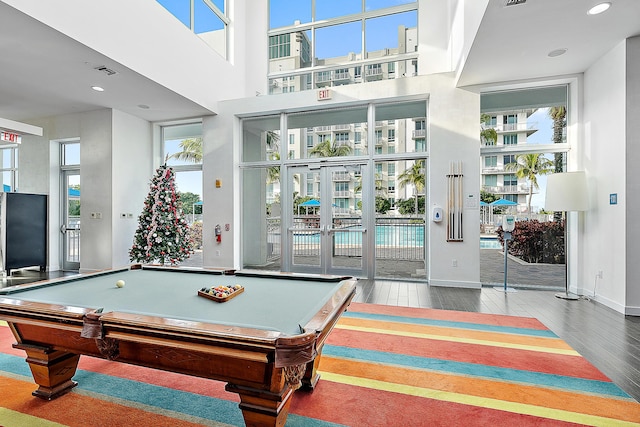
[503, 202]
[313, 203]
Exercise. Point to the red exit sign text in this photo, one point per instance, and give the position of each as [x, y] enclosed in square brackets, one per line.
[13, 138]
[324, 94]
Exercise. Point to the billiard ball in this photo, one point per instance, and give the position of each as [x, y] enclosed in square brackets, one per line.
[120, 283]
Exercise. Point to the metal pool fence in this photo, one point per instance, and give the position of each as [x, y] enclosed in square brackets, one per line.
[395, 238]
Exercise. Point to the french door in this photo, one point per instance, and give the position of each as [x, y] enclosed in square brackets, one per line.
[70, 227]
[326, 233]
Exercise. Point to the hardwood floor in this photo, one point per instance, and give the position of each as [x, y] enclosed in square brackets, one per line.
[606, 338]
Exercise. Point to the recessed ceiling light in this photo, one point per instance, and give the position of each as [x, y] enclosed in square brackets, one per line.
[557, 52]
[599, 8]
[97, 88]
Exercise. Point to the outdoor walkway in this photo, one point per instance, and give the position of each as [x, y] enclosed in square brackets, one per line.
[519, 274]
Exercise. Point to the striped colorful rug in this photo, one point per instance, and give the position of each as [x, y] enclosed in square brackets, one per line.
[382, 366]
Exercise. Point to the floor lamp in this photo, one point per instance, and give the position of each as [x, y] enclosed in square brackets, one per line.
[566, 192]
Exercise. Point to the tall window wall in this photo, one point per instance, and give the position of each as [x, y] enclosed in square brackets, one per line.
[182, 150]
[206, 18]
[314, 44]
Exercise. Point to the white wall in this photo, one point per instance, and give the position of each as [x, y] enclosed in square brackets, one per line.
[606, 232]
[454, 136]
[132, 169]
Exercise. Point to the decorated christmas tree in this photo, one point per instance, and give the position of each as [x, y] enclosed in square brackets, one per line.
[163, 233]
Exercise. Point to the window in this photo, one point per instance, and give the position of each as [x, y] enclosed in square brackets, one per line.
[292, 139]
[10, 168]
[342, 138]
[510, 158]
[510, 180]
[391, 135]
[207, 19]
[510, 139]
[491, 121]
[70, 154]
[391, 169]
[182, 149]
[337, 35]
[279, 46]
[490, 161]
[379, 137]
[341, 186]
[490, 180]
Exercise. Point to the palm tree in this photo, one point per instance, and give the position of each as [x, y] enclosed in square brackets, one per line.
[330, 149]
[558, 115]
[487, 134]
[529, 166]
[191, 150]
[414, 176]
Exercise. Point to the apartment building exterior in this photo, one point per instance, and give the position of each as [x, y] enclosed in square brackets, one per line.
[512, 129]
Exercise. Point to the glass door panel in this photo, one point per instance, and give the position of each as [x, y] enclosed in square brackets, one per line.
[305, 231]
[345, 224]
[70, 227]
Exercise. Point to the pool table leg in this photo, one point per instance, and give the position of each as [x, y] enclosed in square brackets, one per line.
[52, 370]
[311, 375]
[263, 408]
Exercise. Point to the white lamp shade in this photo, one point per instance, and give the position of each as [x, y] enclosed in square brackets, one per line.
[567, 192]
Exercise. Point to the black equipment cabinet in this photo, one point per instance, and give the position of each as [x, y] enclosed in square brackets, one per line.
[23, 232]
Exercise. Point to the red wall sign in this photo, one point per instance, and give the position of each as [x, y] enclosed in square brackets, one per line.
[13, 138]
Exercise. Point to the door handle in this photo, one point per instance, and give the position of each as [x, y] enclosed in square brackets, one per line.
[63, 228]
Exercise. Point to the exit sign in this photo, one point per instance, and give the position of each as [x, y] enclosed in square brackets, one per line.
[10, 137]
[324, 94]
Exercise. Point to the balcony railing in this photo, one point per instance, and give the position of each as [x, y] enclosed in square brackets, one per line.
[511, 127]
[341, 176]
[508, 189]
[419, 134]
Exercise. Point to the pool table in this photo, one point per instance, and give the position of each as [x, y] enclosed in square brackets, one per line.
[265, 342]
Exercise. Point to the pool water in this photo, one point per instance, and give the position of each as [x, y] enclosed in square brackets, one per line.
[387, 235]
[490, 243]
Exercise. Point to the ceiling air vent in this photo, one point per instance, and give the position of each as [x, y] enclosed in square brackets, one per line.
[107, 71]
[514, 2]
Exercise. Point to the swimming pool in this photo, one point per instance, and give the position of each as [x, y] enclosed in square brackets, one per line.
[406, 235]
[490, 243]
